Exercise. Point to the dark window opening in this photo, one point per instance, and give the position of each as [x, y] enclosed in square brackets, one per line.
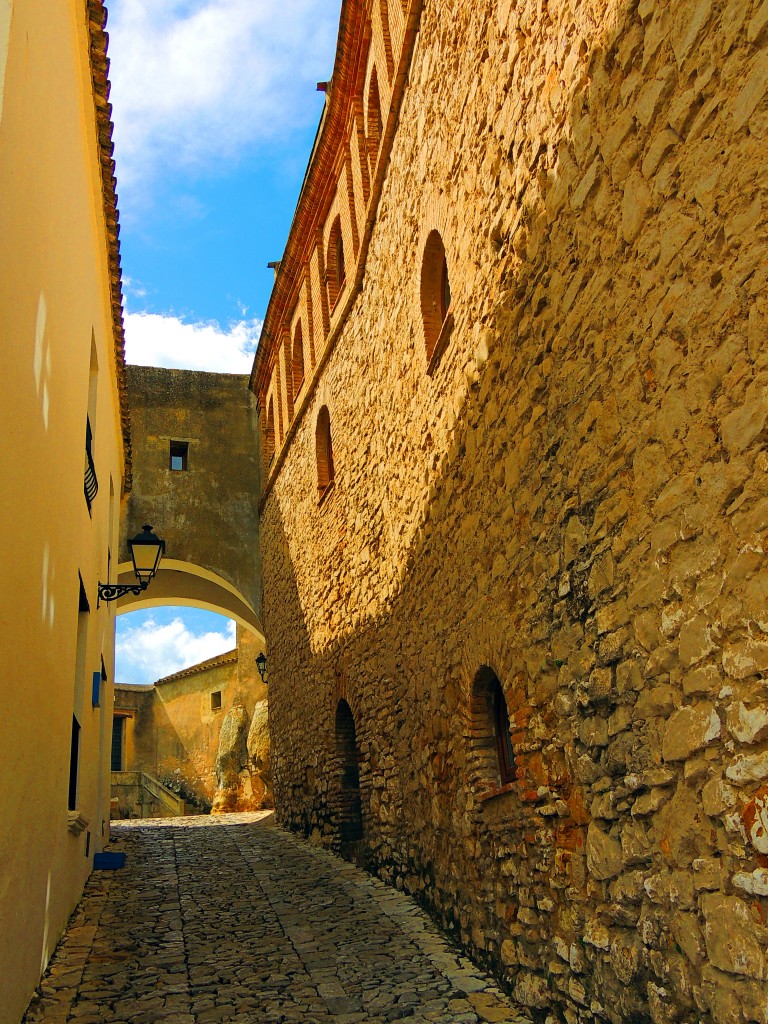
[445, 290]
[341, 272]
[335, 270]
[82, 599]
[504, 750]
[74, 757]
[179, 455]
[91, 484]
[297, 362]
[324, 451]
[216, 701]
[350, 813]
[436, 313]
[269, 433]
[374, 118]
[118, 743]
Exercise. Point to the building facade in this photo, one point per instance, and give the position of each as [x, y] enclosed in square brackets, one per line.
[200, 732]
[64, 467]
[512, 395]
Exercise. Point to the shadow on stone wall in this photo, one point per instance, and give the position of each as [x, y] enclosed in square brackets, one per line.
[591, 527]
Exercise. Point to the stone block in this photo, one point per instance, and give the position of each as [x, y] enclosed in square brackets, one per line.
[593, 731]
[604, 855]
[696, 640]
[729, 934]
[745, 658]
[752, 93]
[755, 883]
[717, 796]
[742, 427]
[748, 768]
[688, 730]
[754, 816]
[688, 23]
[747, 725]
[634, 206]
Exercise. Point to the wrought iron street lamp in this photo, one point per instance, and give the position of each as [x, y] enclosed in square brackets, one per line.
[146, 551]
[261, 665]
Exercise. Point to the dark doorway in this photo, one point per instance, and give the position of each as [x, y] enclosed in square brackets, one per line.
[349, 808]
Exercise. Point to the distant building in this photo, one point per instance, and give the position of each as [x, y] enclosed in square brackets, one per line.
[65, 463]
[191, 733]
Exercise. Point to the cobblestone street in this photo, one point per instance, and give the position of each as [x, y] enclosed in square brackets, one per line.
[227, 919]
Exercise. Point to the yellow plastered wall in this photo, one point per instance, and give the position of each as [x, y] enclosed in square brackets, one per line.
[54, 299]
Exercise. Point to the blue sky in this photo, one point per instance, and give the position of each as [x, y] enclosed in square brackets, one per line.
[215, 110]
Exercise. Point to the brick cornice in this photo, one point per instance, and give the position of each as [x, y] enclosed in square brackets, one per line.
[99, 63]
[317, 191]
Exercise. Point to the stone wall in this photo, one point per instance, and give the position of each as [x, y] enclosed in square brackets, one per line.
[205, 509]
[574, 497]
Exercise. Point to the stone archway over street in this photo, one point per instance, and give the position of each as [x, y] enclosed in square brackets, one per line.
[196, 481]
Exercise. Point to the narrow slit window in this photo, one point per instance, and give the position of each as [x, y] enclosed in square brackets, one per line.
[216, 700]
[324, 451]
[74, 762]
[179, 455]
[436, 312]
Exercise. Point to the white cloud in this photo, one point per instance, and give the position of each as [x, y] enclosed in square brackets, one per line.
[156, 339]
[151, 651]
[196, 81]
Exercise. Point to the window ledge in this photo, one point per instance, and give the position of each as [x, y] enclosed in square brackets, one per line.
[441, 344]
[329, 487]
[76, 822]
[492, 794]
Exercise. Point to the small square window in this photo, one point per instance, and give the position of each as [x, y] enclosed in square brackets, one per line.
[216, 701]
[179, 453]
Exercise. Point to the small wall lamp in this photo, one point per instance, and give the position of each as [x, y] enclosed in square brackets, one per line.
[261, 665]
[146, 552]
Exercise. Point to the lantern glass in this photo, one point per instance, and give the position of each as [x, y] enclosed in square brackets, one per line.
[146, 552]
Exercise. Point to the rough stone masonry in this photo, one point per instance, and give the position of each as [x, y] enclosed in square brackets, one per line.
[572, 501]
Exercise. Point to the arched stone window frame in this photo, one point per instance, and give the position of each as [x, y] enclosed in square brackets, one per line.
[297, 361]
[492, 748]
[373, 119]
[326, 473]
[335, 262]
[347, 795]
[269, 432]
[436, 302]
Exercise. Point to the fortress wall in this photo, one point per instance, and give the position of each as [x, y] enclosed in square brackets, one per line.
[572, 495]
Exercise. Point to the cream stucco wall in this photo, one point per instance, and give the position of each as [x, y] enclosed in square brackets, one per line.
[54, 299]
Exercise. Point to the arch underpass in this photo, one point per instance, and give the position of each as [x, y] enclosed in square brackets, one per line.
[196, 481]
[183, 583]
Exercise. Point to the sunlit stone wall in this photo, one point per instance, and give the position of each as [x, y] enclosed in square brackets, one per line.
[574, 497]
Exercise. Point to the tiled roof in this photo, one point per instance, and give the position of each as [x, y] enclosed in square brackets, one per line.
[99, 40]
[229, 657]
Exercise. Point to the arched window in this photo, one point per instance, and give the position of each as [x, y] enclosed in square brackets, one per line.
[504, 750]
[435, 296]
[269, 433]
[493, 751]
[373, 124]
[349, 808]
[324, 450]
[336, 271]
[297, 361]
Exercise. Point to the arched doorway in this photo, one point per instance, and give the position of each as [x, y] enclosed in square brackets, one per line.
[348, 807]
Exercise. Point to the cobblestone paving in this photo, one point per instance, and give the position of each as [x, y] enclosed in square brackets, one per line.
[226, 919]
